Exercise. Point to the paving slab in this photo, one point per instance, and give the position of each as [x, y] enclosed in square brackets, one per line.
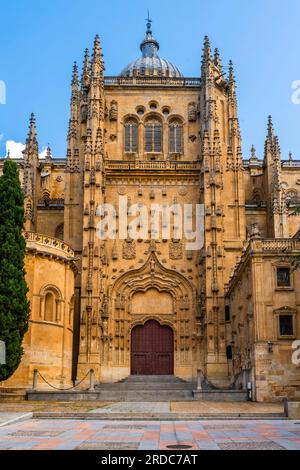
[13, 417]
[153, 435]
[136, 407]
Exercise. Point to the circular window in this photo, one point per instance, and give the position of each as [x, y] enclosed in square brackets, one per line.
[153, 105]
[140, 110]
[166, 111]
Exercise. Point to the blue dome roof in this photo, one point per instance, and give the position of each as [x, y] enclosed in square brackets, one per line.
[150, 64]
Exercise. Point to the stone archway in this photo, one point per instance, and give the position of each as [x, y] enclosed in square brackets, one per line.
[152, 349]
[152, 292]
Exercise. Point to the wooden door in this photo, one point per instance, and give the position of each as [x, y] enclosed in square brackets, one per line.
[152, 350]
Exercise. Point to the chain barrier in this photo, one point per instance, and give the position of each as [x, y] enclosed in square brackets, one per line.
[64, 389]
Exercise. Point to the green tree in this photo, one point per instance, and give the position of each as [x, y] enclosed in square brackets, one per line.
[14, 306]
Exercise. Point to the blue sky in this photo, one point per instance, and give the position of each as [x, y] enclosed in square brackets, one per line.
[40, 40]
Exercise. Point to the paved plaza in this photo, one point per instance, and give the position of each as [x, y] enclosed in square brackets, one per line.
[151, 435]
[20, 430]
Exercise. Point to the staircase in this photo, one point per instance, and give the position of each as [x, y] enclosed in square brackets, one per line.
[12, 395]
[156, 388]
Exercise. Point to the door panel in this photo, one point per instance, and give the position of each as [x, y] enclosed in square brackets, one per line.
[152, 350]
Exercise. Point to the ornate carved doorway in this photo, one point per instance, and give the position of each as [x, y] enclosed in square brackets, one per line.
[152, 349]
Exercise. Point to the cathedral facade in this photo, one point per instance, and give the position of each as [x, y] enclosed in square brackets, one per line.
[148, 305]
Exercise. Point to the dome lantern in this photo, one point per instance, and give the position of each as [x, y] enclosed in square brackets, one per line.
[150, 64]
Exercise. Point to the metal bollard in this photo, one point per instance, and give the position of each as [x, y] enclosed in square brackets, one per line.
[35, 379]
[92, 381]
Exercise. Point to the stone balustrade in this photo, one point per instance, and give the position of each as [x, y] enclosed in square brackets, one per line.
[149, 165]
[153, 81]
[48, 245]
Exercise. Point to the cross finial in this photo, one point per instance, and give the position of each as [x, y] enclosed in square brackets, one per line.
[149, 22]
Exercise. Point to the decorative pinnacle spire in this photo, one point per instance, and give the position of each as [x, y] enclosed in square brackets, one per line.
[270, 127]
[217, 59]
[231, 72]
[85, 78]
[32, 132]
[75, 76]
[97, 53]
[206, 51]
[31, 147]
[48, 154]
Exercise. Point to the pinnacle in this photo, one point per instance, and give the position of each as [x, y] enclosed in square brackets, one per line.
[86, 56]
[206, 49]
[97, 53]
[86, 68]
[217, 58]
[97, 47]
[48, 154]
[75, 74]
[32, 120]
[231, 71]
[32, 126]
[270, 127]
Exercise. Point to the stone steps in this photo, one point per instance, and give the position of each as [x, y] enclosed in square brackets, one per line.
[158, 416]
[142, 389]
[146, 379]
[147, 388]
[11, 397]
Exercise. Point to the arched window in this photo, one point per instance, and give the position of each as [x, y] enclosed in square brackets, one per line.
[131, 136]
[153, 136]
[49, 307]
[51, 304]
[176, 137]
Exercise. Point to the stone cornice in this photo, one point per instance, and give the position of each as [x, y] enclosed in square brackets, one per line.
[51, 248]
[263, 247]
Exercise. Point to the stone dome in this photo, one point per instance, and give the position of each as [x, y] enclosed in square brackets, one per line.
[150, 64]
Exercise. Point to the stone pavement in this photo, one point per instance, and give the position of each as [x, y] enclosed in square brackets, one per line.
[151, 435]
[12, 417]
[136, 407]
[200, 407]
[214, 408]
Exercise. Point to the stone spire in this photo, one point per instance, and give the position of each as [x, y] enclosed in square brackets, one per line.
[217, 59]
[273, 182]
[206, 58]
[97, 60]
[31, 147]
[72, 161]
[272, 147]
[231, 72]
[232, 86]
[270, 128]
[48, 154]
[86, 73]
[31, 163]
[75, 77]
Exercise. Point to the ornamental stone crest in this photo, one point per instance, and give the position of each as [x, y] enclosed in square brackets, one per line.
[176, 250]
[129, 249]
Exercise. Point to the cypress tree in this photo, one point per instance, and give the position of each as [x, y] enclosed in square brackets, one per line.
[14, 306]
